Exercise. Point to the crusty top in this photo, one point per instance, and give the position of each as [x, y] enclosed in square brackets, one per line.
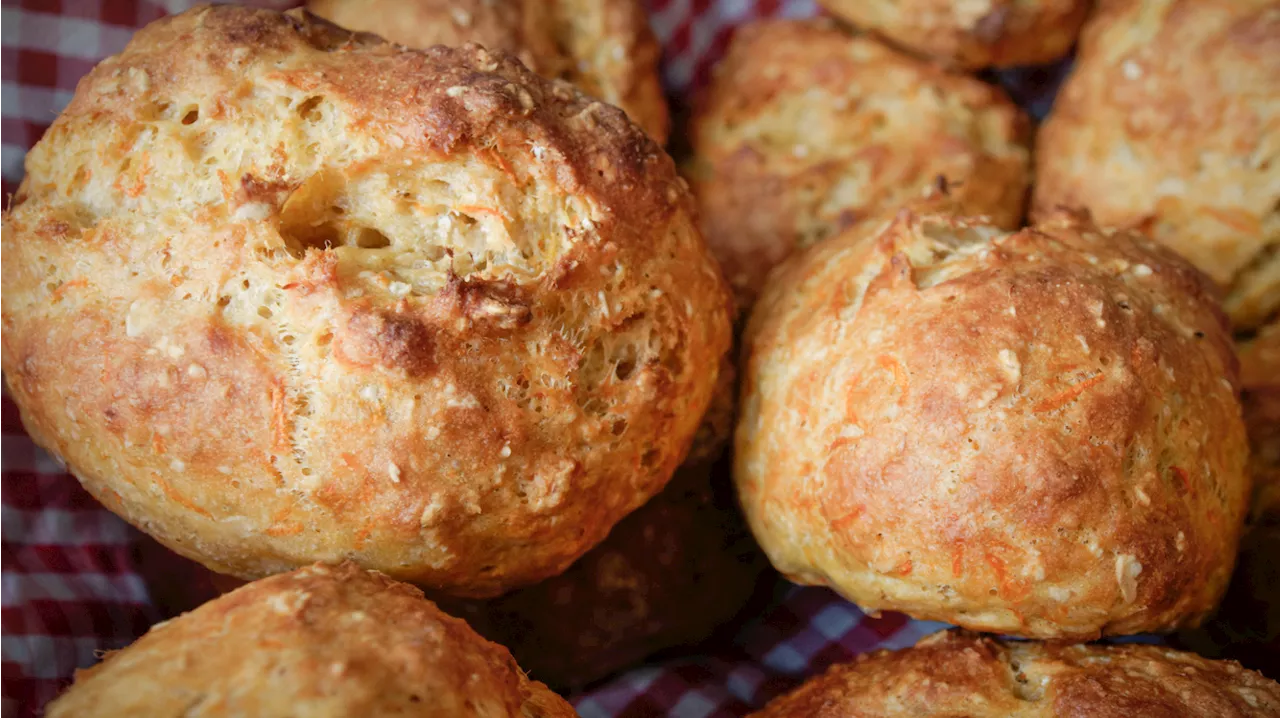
[957, 674]
[807, 129]
[317, 642]
[1169, 123]
[279, 293]
[972, 35]
[604, 47]
[1260, 379]
[1034, 433]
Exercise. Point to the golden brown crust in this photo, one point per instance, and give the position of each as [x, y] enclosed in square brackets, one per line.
[669, 574]
[319, 641]
[279, 294]
[806, 130]
[604, 47]
[973, 35]
[958, 674]
[1168, 123]
[1034, 433]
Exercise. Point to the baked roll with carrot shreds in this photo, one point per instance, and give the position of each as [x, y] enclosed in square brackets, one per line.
[280, 293]
[1169, 124]
[1034, 433]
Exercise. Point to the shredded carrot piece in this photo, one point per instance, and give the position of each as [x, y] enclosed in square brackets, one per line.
[1008, 587]
[502, 163]
[1236, 219]
[228, 189]
[997, 565]
[280, 419]
[899, 374]
[1072, 392]
[140, 185]
[57, 293]
[843, 522]
[476, 209]
[174, 495]
[904, 568]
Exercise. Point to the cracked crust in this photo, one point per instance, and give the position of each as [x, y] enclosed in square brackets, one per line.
[605, 47]
[972, 35]
[1168, 123]
[1035, 433]
[958, 674]
[320, 641]
[453, 323]
[806, 130]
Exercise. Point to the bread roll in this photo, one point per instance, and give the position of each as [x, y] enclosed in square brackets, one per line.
[278, 293]
[974, 35]
[1169, 123]
[604, 47]
[806, 130]
[1034, 433]
[958, 674]
[319, 641]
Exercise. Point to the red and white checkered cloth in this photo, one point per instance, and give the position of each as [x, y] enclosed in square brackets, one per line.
[71, 587]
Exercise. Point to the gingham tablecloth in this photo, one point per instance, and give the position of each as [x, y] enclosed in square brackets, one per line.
[71, 587]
